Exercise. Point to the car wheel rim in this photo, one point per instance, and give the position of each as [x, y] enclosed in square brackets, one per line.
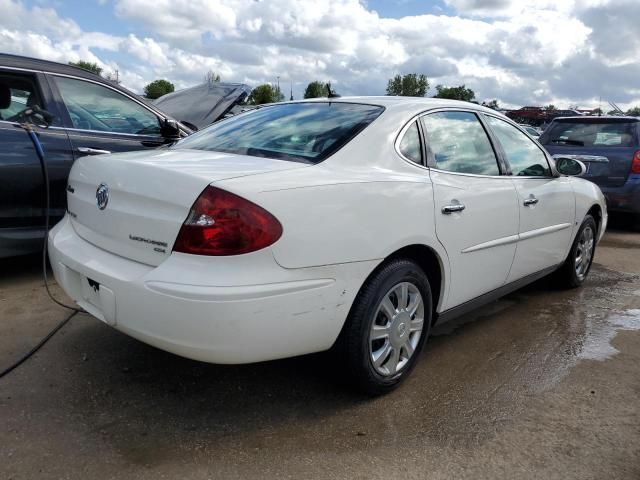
[584, 252]
[396, 329]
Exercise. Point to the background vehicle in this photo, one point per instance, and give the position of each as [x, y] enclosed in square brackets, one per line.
[533, 131]
[91, 116]
[201, 105]
[539, 116]
[610, 147]
[353, 223]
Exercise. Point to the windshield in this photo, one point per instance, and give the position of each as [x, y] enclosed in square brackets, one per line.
[307, 132]
[587, 134]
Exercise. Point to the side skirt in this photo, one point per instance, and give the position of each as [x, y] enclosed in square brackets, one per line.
[477, 302]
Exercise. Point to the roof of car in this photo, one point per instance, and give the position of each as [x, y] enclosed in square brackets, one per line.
[595, 118]
[418, 104]
[36, 64]
[17, 61]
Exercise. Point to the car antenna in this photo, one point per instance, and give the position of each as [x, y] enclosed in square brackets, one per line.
[331, 93]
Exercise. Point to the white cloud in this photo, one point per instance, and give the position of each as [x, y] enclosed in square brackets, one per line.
[519, 52]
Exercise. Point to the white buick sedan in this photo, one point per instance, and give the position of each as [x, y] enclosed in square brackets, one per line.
[352, 223]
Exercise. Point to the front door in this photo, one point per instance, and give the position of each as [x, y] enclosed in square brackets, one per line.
[476, 210]
[103, 120]
[546, 204]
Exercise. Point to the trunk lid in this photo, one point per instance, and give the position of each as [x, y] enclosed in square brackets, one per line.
[148, 195]
[606, 145]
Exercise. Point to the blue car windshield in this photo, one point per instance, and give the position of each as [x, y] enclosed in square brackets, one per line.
[305, 132]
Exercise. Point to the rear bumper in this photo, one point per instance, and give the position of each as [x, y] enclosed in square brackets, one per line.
[217, 309]
[625, 198]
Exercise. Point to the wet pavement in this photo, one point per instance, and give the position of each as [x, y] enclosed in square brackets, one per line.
[541, 384]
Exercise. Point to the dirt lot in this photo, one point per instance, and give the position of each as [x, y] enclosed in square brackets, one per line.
[542, 384]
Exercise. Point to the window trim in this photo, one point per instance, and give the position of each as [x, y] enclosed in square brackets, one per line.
[428, 154]
[41, 84]
[502, 166]
[423, 152]
[160, 118]
[532, 140]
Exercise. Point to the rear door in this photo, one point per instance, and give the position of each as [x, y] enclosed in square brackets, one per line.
[101, 119]
[476, 209]
[605, 145]
[22, 198]
[546, 204]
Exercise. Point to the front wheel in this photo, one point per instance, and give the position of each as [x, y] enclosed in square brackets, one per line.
[576, 267]
[387, 327]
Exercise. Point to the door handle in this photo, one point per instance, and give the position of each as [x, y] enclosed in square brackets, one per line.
[449, 209]
[92, 151]
[530, 201]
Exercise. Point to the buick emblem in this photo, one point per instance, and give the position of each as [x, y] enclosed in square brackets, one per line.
[102, 196]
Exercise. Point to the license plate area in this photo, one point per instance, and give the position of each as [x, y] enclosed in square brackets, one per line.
[91, 292]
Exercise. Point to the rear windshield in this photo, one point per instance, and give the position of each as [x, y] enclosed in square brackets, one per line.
[587, 134]
[307, 132]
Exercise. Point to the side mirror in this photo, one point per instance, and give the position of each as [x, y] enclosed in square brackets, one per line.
[570, 167]
[169, 129]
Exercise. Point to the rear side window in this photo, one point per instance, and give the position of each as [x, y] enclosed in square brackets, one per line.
[524, 156]
[591, 134]
[410, 144]
[307, 132]
[459, 143]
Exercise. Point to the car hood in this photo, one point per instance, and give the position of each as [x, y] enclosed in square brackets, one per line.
[203, 104]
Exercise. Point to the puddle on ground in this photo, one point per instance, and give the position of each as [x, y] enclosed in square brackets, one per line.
[599, 335]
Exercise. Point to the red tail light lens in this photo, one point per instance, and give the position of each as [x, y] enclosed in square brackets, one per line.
[221, 223]
[635, 163]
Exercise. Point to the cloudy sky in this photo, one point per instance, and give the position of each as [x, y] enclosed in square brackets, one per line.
[566, 52]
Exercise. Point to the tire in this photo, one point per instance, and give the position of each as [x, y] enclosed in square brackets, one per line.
[569, 276]
[379, 305]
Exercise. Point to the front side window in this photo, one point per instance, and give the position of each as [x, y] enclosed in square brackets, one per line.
[17, 93]
[524, 156]
[307, 132]
[459, 143]
[95, 107]
[410, 144]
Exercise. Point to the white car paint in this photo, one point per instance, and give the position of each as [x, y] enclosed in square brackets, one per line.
[341, 219]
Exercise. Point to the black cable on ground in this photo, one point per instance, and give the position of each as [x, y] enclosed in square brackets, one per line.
[45, 174]
[38, 346]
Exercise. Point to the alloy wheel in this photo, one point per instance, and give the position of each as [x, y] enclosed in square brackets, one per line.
[396, 328]
[584, 252]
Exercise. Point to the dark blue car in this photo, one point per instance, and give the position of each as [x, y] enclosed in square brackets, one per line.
[610, 148]
[91, 116]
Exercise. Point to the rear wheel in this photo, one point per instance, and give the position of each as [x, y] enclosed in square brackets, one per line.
[387, 327]
[577, 265]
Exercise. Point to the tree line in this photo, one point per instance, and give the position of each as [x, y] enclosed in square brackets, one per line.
[408, 85]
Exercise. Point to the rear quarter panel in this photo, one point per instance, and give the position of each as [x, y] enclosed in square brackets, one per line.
[362, 204]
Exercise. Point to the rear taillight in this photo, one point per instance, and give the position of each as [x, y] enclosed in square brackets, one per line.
[221, 223]
[635, 163]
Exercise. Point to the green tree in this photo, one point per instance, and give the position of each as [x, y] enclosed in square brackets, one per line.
[409, 85]
[316, 89]
[92, 67]
[634, 112]
[158, 88]
[265, 93]
[455, 93]
[550, 108]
